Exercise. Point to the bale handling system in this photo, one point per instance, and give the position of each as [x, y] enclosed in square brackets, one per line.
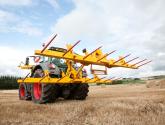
[56, 73]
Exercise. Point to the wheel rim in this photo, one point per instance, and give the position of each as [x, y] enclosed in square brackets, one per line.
[37, 90]
[22, 91]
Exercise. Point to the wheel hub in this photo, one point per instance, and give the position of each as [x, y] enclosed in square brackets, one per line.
[37, 90]
[22, 91]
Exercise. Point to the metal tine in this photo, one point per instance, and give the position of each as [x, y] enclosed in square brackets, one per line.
[107, 80]
[122, 58]
[26, 76]
[92, 52]
[117, 78]
[88, 80]
[61, 78]
[131, 60]
[103, 77]
[144, 63]
[43, 77]
[139, 62]
[112, 78]
[106, 55]
[48, 43]
[71, 48]
[100, 79]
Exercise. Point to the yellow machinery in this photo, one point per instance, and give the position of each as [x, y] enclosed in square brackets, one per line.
[48, 80]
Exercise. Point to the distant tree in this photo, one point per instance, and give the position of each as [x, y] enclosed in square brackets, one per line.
[117, 82]
[8, 82]
[136, 78]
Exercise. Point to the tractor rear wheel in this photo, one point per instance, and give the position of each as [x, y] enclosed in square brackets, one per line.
[43, 93]
[80, 92]
[23, 92]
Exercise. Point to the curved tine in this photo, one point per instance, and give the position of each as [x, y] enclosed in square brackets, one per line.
[61, 78]
[100, 79]
[48, 43]
[92, 52]
[106, 55]
[144, 63]
[112, 78]
[131, 60]
[139, 62]
[107, 80]
[117, 78]
[88, 79]
[26, 76]
[121, 58]
[71, 47]
[103, 77]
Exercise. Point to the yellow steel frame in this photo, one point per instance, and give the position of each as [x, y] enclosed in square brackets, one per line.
[96, 57]
[93, 58]
[26, 66]
[64, 80]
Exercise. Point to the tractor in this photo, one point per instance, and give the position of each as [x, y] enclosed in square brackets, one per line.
[59, 72]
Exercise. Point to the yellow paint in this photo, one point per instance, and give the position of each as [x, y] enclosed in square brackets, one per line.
[73, 75]
[91, 59]
[26, 67]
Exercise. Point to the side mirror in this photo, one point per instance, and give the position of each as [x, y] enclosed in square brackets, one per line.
[27, 61]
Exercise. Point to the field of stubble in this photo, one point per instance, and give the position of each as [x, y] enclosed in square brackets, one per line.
[106, 105]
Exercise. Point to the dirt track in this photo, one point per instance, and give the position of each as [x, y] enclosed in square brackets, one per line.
[114, 105]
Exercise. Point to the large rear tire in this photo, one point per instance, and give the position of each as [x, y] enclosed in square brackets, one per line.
[80, 92]
[43, 93]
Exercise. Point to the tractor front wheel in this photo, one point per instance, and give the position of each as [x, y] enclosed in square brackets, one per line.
[43, 93]
[23, 92]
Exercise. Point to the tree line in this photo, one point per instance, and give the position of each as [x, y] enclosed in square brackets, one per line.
[8, 82]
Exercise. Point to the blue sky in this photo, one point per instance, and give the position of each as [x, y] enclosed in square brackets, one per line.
[128, 26]
[40, 16]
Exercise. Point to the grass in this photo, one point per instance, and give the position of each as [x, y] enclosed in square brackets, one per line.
[133, 81]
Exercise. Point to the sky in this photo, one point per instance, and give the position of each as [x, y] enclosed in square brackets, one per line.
[128, 26]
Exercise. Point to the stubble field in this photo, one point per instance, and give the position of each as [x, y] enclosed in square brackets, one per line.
[131, 104]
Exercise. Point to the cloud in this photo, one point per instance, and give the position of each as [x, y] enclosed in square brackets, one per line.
[27, 28]
[10, 22]
[15, 2]
[135, 26]
[54, 3]
[11, 59]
